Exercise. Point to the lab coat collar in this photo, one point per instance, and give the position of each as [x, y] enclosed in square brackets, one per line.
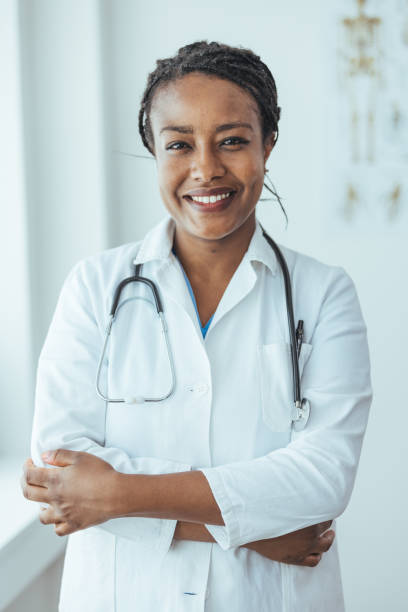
[158, 243]
[259, 250]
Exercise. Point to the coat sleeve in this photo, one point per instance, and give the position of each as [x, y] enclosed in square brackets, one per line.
[312, 478]
[69, 414]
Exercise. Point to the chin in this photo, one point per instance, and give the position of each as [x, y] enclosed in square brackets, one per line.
[215, 231]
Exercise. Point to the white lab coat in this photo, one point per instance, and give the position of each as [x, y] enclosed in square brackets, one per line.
[229, 416]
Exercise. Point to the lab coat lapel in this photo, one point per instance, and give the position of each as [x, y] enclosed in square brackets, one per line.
[245, 275]
[166, 269]
[238, 288]
[157, 246]
[173, 286]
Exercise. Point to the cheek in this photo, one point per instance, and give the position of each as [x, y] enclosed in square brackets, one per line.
[249, 168]
[170, 175]
[254, 177]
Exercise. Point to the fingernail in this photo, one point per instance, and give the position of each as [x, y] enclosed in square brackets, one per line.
[48, 456]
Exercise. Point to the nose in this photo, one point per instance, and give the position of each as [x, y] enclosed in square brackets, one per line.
[206, 165]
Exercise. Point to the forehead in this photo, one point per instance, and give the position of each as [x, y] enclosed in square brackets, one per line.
[203, 101]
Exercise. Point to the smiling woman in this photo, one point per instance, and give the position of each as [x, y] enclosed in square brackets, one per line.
[209, 497]
[207, 141]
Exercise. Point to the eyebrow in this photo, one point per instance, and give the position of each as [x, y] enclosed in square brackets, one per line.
[188, 129]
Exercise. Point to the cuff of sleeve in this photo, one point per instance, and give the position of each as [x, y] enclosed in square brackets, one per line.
[150, 533]
[226, 536]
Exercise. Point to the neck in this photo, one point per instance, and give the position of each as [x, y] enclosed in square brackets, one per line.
[210, 260]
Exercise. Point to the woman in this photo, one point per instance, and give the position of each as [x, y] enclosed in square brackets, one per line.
[208, 499]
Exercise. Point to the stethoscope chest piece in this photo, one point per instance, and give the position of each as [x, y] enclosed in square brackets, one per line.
[301, 416]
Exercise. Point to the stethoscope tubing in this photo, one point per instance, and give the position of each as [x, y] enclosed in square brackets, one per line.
[302, 407]
[114, 309]
[134, 279]
[294, 349]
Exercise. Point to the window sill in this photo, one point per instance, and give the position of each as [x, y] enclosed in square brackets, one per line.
[27, 547]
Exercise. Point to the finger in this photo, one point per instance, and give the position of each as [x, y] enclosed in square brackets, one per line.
[27, 463]
[34, 493]
[322, 527]
[41, 477]
[62, 529]
[312, 560]
[60, 457]
[48, 516]
[326, 540]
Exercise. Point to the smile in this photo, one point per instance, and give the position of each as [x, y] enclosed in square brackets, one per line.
[210, 199]
[212, 203]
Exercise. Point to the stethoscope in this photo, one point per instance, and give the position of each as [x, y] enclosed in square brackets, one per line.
[301, 411]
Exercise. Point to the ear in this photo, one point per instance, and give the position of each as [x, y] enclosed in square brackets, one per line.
[268, 145]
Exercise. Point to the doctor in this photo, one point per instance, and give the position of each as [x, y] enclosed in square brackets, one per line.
[206, 500]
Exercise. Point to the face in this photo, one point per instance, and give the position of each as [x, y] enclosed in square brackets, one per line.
[210, 154]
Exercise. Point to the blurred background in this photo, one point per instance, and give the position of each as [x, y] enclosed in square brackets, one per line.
[72, 76]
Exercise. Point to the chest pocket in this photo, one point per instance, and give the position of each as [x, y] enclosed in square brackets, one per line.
[275, 369]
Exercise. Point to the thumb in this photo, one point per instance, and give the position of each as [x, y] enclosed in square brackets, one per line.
[60, 457]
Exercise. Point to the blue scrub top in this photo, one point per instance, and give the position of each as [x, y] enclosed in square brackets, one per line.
[204, 328]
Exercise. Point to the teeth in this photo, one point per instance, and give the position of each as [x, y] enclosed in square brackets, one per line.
[211, 199]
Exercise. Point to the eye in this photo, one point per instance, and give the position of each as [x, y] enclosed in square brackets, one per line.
[234, 140]
[229, 142]
[176, 146]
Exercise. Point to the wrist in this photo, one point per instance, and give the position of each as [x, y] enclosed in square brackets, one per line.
[121, 494]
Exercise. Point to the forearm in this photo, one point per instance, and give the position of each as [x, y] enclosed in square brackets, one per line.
[184, 496]
[199, 533]
[304, 547]
[84, 491]
[192, 532]
[196, 532]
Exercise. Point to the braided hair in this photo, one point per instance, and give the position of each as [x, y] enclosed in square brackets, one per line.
[236, 64]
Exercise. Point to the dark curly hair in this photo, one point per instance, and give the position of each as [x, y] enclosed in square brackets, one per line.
[236, 64]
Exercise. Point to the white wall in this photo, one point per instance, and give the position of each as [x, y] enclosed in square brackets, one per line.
[64, 143]
[15, 317]
[53, 179]
[53, 186]
[82, 67]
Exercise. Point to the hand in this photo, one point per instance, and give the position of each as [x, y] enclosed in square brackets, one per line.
[303, 547]
[80, 490]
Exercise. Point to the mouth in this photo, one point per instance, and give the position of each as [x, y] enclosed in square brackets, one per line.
[212, 202]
